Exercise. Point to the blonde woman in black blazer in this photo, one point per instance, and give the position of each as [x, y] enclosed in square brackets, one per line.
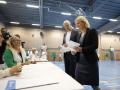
[87, 72]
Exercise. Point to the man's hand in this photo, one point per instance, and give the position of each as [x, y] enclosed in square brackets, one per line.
[65, 45]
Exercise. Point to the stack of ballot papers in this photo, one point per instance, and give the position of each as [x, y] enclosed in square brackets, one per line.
[65, 49]
[73, 44]
[70, 47]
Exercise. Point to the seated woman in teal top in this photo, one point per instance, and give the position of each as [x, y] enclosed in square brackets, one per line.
[8, 58]
[14, 54]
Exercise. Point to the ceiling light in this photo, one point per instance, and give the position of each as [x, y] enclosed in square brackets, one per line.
[97, 17]
[31, 6]
[58, 26]
[36, 24]
[110, 31]
[3, 2]
[63, 13]
[114, 20]
[118, 32]
[14, 22]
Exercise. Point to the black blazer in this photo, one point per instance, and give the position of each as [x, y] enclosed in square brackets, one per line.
[74, 36]
[2, 49]
[89, 45]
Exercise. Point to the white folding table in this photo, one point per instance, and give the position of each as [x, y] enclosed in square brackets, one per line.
[40, 74]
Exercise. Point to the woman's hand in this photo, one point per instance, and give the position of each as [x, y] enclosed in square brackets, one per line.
[78, 49]
[15, 69]
[73, 51]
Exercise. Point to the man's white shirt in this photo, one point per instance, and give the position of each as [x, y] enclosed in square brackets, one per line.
[67, 38]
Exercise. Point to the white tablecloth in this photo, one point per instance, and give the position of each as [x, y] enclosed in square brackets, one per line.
[40, 74]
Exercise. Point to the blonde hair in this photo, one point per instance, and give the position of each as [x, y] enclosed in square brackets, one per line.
[67, 21]
[84, 19]
[12, 40]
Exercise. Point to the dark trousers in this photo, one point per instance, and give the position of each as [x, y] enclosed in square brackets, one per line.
[70, 64]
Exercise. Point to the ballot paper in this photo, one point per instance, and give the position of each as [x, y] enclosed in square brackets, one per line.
[31, 83]
[70, 47]
[65, 49]
[73, 44]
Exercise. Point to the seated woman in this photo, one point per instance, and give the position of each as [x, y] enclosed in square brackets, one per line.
[10, 71]
[3, 44]
[15, 54]
[33, 55]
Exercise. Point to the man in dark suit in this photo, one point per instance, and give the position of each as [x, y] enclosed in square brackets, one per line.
[69, 59]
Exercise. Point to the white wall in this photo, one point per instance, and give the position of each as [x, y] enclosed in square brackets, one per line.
[108, 41]
[53, 38]
[1, 25]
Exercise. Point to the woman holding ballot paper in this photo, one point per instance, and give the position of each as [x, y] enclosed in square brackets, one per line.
[87, 72]
[69, 59]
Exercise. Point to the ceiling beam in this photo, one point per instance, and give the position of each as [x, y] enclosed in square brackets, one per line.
[99, 6]
[110, 26]
[84, 2]
[41, 13]
[4, 15]
[63, 3]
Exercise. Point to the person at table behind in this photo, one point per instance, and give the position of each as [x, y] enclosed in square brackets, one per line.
[2, 49]
[69, 59]
[15, 70]
[14, 54]
[4, 36]
[44, 51]
[34, 55]
[87, 72]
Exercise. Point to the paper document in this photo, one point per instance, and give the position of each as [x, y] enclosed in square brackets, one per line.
[65, 49]
[73, 44]
[70, 47]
